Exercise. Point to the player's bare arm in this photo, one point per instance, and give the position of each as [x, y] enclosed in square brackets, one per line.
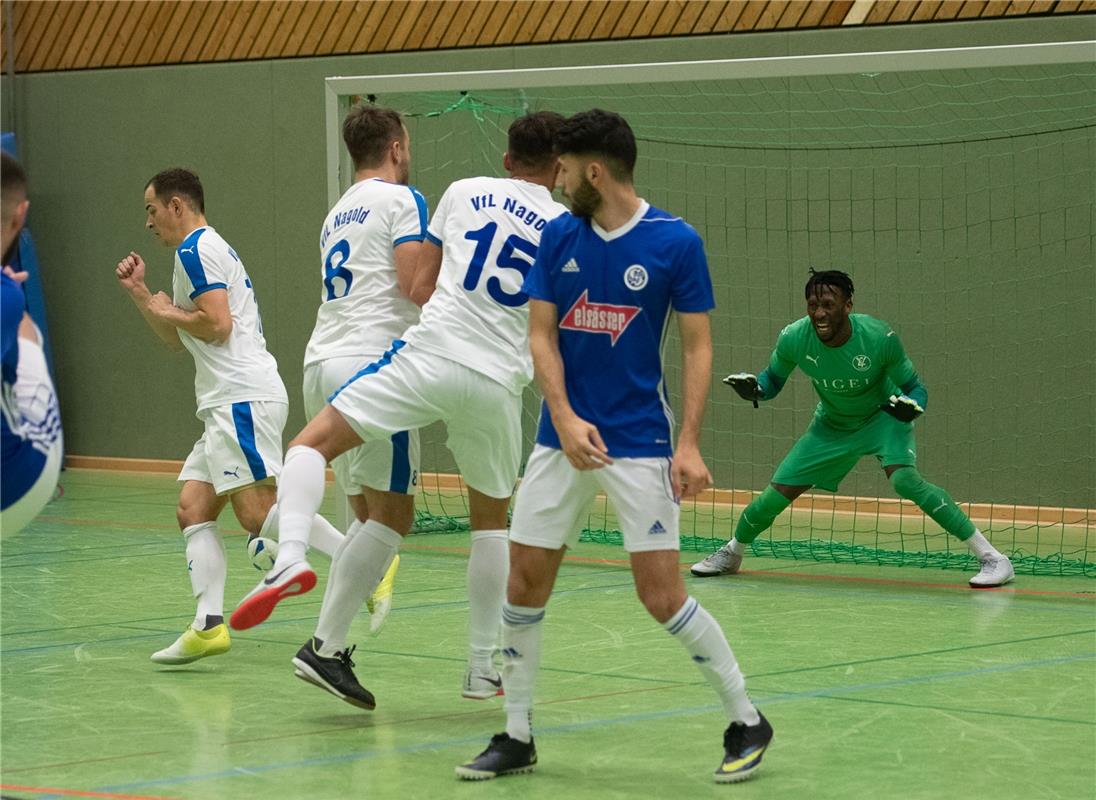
[211, 321]
[406, 258]
[426, 273]
[131, 276]
[579, 440]
[689, 474]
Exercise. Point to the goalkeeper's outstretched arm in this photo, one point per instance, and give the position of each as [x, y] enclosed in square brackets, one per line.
[752, 387]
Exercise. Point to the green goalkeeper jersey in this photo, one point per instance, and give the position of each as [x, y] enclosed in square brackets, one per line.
[852, 381]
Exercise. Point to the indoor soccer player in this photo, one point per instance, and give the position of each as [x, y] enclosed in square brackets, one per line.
[30, 426]
[369, 249]
[466, 363]
[606, 279]
[869, 395]
[241, 400]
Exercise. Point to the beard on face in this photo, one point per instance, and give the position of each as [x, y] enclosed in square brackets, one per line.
[585, 200]
[405, 171]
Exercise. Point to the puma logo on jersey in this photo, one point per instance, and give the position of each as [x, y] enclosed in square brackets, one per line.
[812, 359]
[235, 473]
[186, 249]
[570, 266]
[598, 317]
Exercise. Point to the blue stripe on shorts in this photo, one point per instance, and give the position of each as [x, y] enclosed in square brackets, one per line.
[245, 435]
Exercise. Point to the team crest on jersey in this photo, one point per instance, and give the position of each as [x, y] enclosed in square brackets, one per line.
[861, 362]
[598, 317]
[635, 277]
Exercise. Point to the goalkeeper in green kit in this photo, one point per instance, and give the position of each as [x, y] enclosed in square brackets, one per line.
[869, 394]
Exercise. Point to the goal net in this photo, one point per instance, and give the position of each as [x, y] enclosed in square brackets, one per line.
[955, 186]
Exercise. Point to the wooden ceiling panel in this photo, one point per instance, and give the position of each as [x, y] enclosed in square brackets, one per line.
[688, 18]
[548, 30]
[82, 34]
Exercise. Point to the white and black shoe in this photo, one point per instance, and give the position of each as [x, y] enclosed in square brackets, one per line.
[334, 674]
[503, 756]
[479, 685]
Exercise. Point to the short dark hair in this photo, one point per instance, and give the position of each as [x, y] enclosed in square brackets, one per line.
[832, 278]
[531, 140]
[178, 182]
[600, 133]
[368, 131]
[13, 183]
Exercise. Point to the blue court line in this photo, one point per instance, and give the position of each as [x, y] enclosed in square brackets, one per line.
[579, 726]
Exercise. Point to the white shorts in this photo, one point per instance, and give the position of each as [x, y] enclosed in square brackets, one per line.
[387, 465]
[241, 445]
[410, 388]
[554, 499]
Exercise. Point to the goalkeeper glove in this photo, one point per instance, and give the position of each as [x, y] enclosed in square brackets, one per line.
[903, 408]
[746, 385]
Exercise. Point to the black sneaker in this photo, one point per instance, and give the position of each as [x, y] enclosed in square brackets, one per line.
[504, 756]
[334, 674]
[743, 746]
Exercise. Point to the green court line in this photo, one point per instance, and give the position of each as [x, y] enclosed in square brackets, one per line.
[930, 707]
[941, 651]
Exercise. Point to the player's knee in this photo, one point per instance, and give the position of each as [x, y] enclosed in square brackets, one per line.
[907, 482]
[188, 513]
[660, 604]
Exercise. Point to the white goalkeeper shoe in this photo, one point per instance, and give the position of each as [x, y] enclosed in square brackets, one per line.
[996, 571]
[721, 562]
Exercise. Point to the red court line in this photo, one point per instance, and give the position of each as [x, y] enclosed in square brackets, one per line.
[77, 792]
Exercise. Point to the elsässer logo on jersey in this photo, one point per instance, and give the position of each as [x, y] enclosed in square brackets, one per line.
[598, 317]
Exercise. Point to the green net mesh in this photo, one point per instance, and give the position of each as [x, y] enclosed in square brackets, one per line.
[960, 201]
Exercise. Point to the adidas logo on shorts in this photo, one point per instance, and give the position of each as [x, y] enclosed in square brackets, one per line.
[657, 528]
[570, 266]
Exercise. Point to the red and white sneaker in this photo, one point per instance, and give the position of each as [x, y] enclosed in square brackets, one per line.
[258, 604]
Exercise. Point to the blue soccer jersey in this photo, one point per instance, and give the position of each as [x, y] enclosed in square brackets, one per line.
[614, 292]
[23, 457]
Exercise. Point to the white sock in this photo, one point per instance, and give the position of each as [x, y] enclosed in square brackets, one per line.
[353, 530]
[736, 547]
[488, 570]
[980, 546]
[354, 575]
[323, 536]
[300, 492]
[207, 567]
[702, 637]
[522, 629]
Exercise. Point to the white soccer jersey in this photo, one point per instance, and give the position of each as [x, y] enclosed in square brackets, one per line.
[240, 369]
[361, 308]
[489, 229]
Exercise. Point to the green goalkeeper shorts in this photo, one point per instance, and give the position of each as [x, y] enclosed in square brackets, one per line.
[824, 455]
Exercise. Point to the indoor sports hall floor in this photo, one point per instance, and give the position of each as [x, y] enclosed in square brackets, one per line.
[880, 682]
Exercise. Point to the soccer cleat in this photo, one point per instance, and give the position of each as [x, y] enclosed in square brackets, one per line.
[996, 571]
[504, 756]
[480, 685]
[257, 604]
[743, 747]
[195, 644]
[721, 562]
[335, 674]
[380, 602]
